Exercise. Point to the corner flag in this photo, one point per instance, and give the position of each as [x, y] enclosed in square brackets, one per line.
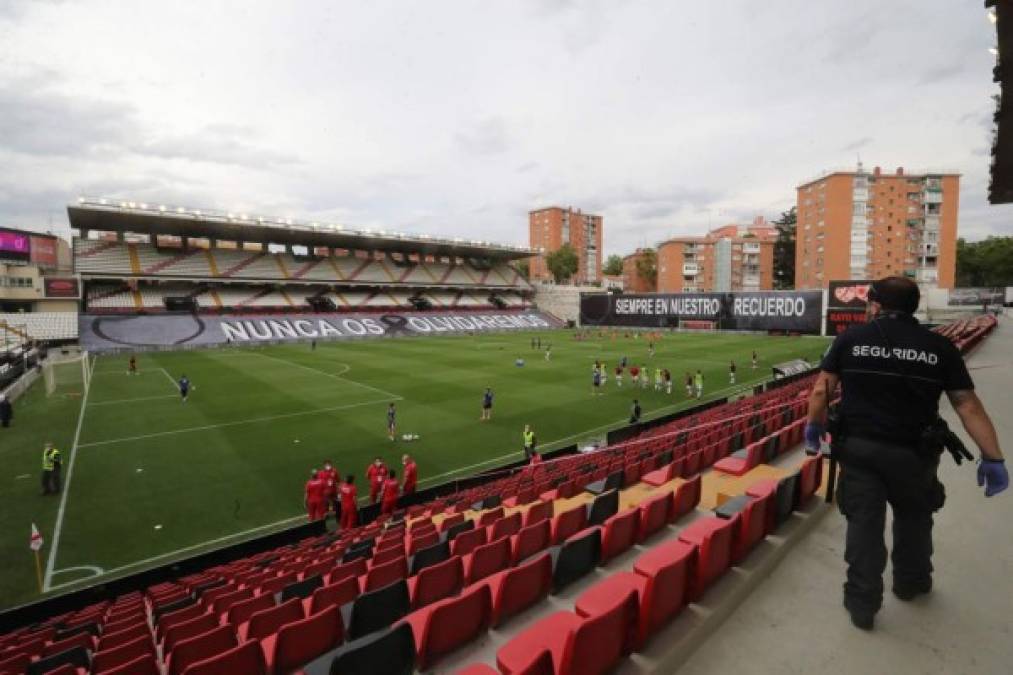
[35, 542]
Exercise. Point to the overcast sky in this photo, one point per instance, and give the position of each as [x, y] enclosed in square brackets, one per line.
[457, 118]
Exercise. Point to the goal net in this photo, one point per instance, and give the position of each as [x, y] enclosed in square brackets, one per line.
[69, 377]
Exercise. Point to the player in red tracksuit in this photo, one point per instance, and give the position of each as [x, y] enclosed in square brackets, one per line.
[331, 478]
[376, 474]
[411, 475]
[316, 507]
[390, 489]
[349, 513]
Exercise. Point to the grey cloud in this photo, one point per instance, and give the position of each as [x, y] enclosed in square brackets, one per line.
[941, 73]
[857, 144]
[219, 144]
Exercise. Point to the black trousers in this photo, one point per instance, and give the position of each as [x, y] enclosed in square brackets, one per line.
[874, 474]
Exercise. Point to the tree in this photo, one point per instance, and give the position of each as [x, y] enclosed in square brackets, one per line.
[613, 266]
[647, 266]
[524, 267]
[562, 263]
[985, 263]
[784, 250]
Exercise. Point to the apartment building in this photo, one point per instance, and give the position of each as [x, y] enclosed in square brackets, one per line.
[729, 258]
[551, 227]
[633, 280]
[862, 225]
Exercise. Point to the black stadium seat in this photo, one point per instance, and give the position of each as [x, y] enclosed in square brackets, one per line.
[379, 609]
[577, 556]
[603, 507]
[436, 553]
[391, 652]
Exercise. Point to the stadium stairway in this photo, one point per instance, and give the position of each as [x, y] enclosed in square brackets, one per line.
[622, 560]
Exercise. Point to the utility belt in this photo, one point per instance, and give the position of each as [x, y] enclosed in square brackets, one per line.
[935, 437]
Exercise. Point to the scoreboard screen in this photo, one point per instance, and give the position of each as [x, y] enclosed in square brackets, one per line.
[15, 245]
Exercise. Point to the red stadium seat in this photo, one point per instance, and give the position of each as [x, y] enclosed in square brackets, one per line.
[520, 587]
[15, 663]
[619, 533]
[355, 568]
[86, 640]
[221, 603]
[169, 620]
[450, 521]
[436, 582]
[741, 461]
[686, 497]
[579, 646]
[445, 625]
[507, 526]
[268, 621]
[384, 574]
[487, 559]
[111, 640]
[299, 642]
[186, 630]
[713, 539]
[536, 512]
[110, 659]
[812, 476]
[189, 652]
[659, 476]
[146, 664]
[275, 584]
[241, 612]
[490, 517]
[568, 523]
[465, 542]
[482, 669]
[749, 529]
[654, 514]
[386, 555]
[662, 581]
[336, 594]
[530, 540]
[247, 659]
[766, 490]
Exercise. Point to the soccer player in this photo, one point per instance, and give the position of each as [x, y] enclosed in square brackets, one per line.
[349, 511]
[658, 380]
[756, 359]
[635, 412]
[689, 383]
[486, 405]
[184, 387]
[650, 349]
[132, 365]
[411, 475]
[391, 487]
[391, 421]
[667, 374]
[331, 477]
[645, 376]
[698, 383]
[634, 374]
[548, 352]
[376, 474]
[731, 372]
[619, 375]
[314, 501]
[595, 382]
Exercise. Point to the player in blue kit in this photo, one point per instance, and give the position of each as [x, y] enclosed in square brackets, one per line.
[486, 405]
[391, 421]
[184, 387]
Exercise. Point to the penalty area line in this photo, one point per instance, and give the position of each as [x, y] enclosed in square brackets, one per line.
[332, 375]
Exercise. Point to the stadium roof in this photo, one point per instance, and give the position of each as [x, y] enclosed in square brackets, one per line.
[1000, 189]
[115, 215]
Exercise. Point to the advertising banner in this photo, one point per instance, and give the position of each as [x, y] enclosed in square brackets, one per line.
[106, 332]
[61, 287]
[43, 251]
[15, 245]
[794, 311]
[846, 301]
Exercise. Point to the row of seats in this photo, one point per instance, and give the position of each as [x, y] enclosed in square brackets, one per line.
[967, 333]
[119, 297]
[39, 326]
[137, 259]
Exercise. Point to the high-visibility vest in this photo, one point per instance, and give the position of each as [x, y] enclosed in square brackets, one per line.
[49, 457]
[529, 438]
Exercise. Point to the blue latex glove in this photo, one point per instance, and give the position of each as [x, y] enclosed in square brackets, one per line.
[993, 476]
[813, 436]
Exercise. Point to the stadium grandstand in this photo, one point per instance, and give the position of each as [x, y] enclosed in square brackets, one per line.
[583, 563]
[135, 257]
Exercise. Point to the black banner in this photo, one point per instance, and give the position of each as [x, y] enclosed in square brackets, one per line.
[793, 311]
[854, 294]
[838, 320]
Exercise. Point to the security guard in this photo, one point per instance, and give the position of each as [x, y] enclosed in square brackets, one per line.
[50, 470]
[888, 440]
[529, 441]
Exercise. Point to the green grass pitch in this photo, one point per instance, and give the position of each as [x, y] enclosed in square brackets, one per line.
[155, 479]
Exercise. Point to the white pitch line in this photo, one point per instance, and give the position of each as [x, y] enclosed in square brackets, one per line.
[332, 375]
[131, 400]
[138, 563]
[175, 385]
[51, 561]
[253, 420]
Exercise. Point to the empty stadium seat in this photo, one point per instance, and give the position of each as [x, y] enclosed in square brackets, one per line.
[465, 542]
[241, 612]
[487, 559]
[390, 651]
[246, 658]
[750, 526]
[713, 540]
[685, 498]
[430, 556]
[530, 540]
[110, 659]
[619, 533]
[336, 594]
[385, 574]
[603, 507]
[268, 621]
[185, 630]
[146, 664]
[568, 523]
[378, 609]
[577, 556]
[436, 582]
[199, 648]
[662, 579]
[447, 624]
[517, 588]
[508, 525]
[299, 642]
[654, 514]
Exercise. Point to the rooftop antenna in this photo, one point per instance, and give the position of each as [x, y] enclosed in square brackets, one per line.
[859, 156]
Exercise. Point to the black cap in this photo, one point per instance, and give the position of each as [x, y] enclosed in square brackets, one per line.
[898, 294]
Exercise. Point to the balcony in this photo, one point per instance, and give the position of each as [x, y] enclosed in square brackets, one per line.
[751, 247]
[690, 270]
[933, 197]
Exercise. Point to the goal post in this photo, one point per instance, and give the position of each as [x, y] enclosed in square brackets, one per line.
[69, 376]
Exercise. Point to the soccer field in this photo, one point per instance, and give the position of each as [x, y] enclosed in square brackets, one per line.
[149, 478]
